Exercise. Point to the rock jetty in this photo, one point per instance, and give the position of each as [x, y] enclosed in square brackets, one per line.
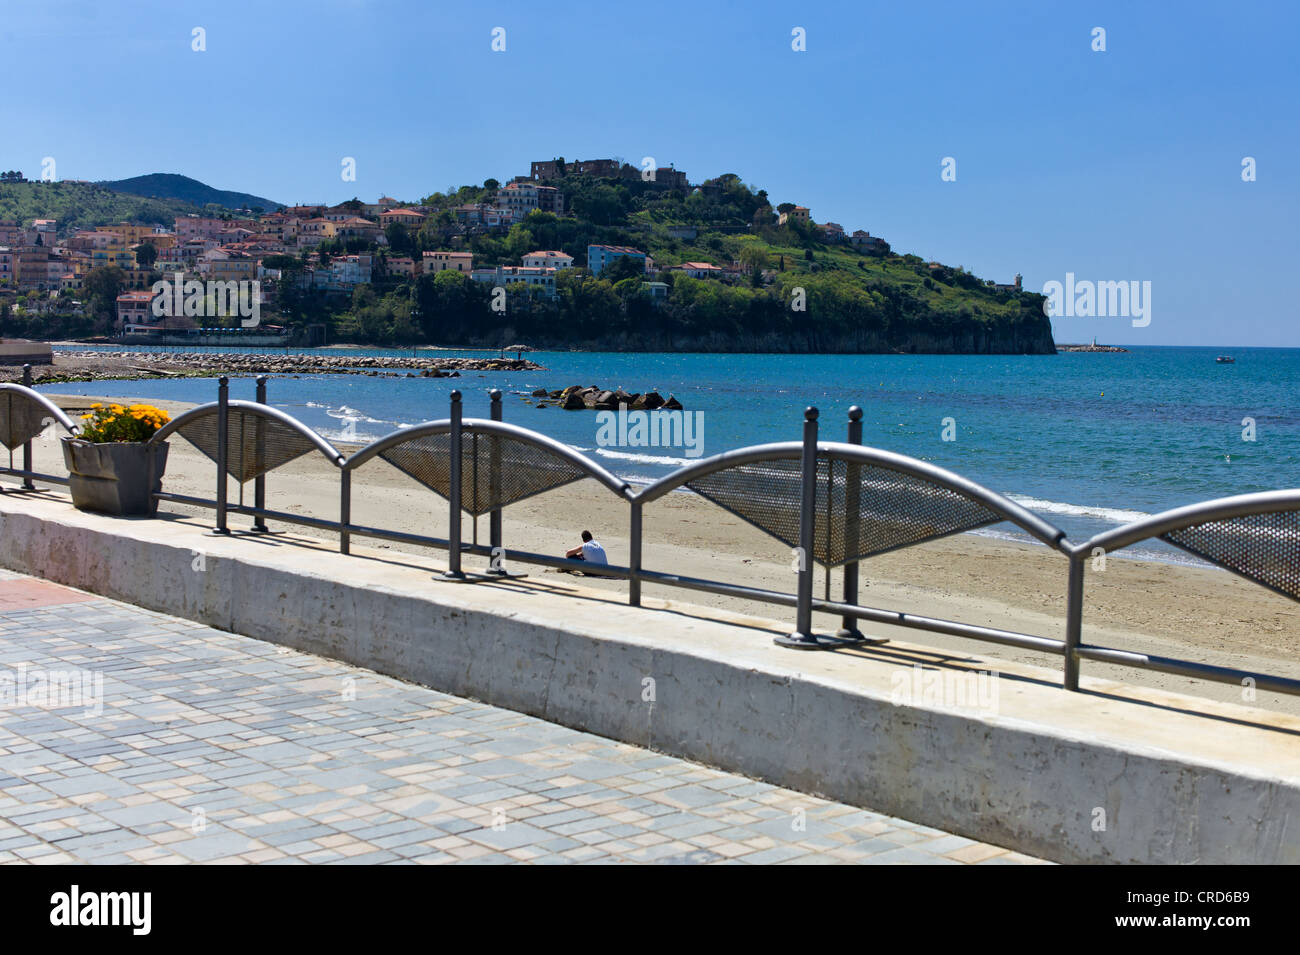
[101, 365]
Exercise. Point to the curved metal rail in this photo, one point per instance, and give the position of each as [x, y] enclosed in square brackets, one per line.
[332, 453]
[1004, 507]
[836, 486]
[1219, 509]
[755, 454]
[1273, 573]
[54, 411]
[34, 411]
[484, 426]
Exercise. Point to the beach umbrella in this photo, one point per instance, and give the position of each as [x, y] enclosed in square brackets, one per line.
[518, 350]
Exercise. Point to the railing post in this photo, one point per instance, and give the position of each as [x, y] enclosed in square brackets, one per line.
[345, 511]
[803, 637]
[259, 437]
[454, 524]
[223, 450]
[27, 484]
[634, 557]
[852, 527]
[1073, 621]
[496, 561]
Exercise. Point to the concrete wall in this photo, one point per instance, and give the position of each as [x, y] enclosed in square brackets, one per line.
[15, 352]
[1031, 774]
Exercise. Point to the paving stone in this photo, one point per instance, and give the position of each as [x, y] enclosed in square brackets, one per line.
[287, 772]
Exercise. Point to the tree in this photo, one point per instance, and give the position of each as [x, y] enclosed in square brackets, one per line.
[519, 241]
[102, 286]
[623, 267]
[491, 185]
[601, 205]
[145, 255]
[399, 238]
[786, 207]
[755, 259]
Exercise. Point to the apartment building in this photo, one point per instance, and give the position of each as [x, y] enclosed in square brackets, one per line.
[504, 275]
[447, 262]
[599, 256]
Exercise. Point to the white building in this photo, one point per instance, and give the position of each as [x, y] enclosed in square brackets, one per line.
[509, 275]
[518, 197]
[548, 259]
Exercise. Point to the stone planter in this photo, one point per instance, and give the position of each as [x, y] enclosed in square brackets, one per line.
[115, 477]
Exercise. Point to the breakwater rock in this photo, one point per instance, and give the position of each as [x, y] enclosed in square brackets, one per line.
[592, 398]
[101, 365]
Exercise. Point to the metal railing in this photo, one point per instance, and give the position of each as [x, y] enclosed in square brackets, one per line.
[833, 503]
[24, 415]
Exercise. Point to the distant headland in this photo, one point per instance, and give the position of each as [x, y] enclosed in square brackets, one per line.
[591, 254]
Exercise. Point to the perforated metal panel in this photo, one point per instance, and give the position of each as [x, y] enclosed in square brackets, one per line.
[766, 495]
[495, 470]
[21, 419]
[255, 445]
[1262, 547]
[892, 509]
[426, 459]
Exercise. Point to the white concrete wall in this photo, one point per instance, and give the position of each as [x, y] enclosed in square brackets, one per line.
[1176, 786]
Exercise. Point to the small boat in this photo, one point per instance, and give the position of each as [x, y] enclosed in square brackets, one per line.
[1226, 360]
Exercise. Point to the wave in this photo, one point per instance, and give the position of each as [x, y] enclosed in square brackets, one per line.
[664, 460]
[1171, 555]
[345, 413]
[1115, 515]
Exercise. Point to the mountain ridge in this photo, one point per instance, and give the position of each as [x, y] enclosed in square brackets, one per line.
[170, 185]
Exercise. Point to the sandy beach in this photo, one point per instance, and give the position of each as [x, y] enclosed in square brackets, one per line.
[1204, 615]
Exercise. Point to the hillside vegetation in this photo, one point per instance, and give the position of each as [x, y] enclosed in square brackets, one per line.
[166, 185]
[84, 205]
[854, 301]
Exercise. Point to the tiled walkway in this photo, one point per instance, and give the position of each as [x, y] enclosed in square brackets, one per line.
[210, 747]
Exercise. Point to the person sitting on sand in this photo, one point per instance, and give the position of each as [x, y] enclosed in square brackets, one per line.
[589, 550]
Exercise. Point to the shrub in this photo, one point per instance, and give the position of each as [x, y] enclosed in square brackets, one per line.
[122, 423]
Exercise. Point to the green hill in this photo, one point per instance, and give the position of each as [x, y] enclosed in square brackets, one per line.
[79, 205]
[166, 185]
[853, 300]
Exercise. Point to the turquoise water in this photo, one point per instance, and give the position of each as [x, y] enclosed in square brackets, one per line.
[1086, 440]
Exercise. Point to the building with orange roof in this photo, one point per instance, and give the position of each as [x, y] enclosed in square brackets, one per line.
[411, 218]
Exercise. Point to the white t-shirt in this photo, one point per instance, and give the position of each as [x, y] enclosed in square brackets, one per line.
[592, 551]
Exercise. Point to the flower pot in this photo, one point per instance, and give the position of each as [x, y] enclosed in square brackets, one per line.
[115, 477]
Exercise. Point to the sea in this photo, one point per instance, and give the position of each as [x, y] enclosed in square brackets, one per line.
[1086, 440]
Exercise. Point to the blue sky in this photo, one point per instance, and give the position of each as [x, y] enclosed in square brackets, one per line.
[1115, 165]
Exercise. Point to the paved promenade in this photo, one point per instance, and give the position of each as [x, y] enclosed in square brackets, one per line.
[130, 736]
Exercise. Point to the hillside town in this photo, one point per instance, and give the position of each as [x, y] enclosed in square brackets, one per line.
[334, 249]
